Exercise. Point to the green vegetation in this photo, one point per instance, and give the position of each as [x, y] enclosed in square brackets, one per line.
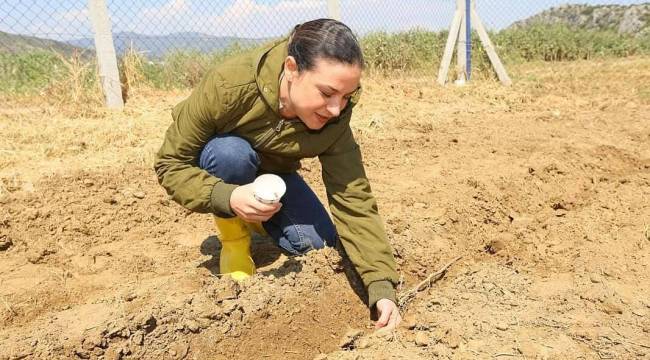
[422, 50]
[29, 71]
[415, 50]
[179, 69]
[562, 43]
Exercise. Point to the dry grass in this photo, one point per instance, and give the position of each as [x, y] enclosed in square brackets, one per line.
[36, 140]
[132, 72]
[77, 93]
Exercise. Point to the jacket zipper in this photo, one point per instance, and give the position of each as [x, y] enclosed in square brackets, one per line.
[273, 131]
[278, 128]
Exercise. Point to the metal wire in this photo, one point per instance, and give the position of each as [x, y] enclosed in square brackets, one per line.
[159, 26]
[156, 27]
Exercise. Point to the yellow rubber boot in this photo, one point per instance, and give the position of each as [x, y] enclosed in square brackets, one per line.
[235, 258]
[257, 227]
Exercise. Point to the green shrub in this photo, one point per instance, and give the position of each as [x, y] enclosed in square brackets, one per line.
[423, 50]
[20, 73]
[414, 49]
[184, 68]
[562, 43]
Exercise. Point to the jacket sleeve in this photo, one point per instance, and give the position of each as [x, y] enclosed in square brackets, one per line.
[195, 121]
[357, 219]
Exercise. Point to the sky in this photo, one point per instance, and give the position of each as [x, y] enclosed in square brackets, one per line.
[68, 19]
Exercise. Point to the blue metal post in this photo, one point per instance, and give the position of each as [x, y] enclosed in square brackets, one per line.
[468, 37]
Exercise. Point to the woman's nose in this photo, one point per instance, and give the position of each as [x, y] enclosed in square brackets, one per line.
[334, 108]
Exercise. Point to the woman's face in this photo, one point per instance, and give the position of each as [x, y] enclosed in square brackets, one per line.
[319, 94]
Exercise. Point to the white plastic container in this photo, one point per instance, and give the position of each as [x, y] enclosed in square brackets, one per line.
[269, 188]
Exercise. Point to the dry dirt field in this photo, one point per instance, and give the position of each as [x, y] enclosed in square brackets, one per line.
[542, 189]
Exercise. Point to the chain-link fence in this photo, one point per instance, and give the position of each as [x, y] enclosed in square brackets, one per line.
[157, 28]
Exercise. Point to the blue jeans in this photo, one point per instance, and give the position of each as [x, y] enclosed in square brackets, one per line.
[302, 224]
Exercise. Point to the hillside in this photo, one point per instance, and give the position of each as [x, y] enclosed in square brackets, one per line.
[630, 19]
[14, 43]
[153, 46]
[158, 45]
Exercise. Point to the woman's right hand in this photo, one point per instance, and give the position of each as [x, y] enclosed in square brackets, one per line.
[249, 209]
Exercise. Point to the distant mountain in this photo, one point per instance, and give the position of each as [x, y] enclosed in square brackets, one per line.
[624, 19]
[13, 43]
[155, 46]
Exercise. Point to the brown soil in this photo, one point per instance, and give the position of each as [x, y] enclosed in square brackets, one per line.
[543, 188]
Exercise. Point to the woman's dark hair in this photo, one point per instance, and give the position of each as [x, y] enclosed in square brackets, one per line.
[324, 38]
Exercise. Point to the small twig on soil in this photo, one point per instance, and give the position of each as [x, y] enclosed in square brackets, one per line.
[645, 237]
[629, 341]
[504, 354]
[617, 332]
[407, 296]
[290, 352]
[615, 342]
[474, 352]
[11, 310]
[547, 323]
[637, 344]
[601, 356]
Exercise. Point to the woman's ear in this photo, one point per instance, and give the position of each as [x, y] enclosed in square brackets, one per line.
[290, 68]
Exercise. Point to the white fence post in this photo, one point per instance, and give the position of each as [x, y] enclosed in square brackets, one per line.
[454, 28]
[489, 48]
[460, 18]
[105, 51]
[461, 54]
[334, 9]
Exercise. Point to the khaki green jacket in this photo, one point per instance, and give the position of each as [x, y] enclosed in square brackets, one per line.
[241, 97]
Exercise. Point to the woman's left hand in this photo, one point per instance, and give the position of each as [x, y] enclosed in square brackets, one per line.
[389, 316]
[249, 209]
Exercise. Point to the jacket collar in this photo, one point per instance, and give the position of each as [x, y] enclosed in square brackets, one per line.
[269, 63]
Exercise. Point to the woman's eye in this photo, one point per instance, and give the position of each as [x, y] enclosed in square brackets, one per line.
[325, 94]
